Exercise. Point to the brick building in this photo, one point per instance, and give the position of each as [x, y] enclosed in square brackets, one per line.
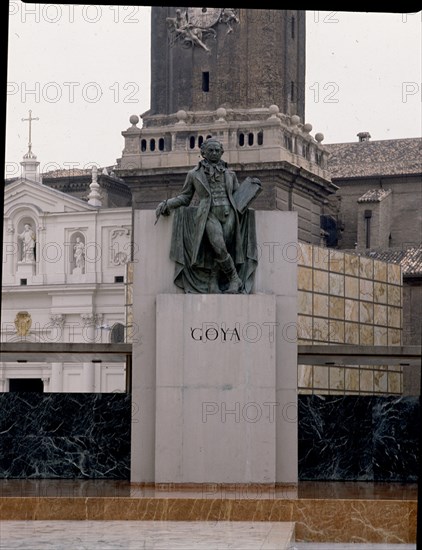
[378, 202]
[378, 213]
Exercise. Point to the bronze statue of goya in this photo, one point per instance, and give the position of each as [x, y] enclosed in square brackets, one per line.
[214, 244]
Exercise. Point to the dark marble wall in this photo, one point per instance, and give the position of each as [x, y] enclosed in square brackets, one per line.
[65, 435]
[358, 438]
[87, 436]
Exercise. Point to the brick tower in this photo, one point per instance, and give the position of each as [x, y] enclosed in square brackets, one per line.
[237, 75]
[251, 59]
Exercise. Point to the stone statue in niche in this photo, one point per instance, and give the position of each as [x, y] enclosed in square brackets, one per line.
[23, 323]
[28, 244]
[79, 256]
[214, 244]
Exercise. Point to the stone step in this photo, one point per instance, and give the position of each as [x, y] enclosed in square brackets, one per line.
[316, 519]
[161, 535]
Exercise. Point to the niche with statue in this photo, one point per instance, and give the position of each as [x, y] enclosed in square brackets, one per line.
[78, 254]
[26, 241]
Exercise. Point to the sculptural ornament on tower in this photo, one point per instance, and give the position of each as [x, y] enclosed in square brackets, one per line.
[214, 244]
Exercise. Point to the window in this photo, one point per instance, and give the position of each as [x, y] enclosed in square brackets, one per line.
[318, 158]
[292, 91]
[26, 385]
[161, 144]
[368, 216]
[292, 26]
[24, 282]
[250, 138]
[152, 145]
[119, 279]
[206, 81]
[192, 142]
[143, 145]
[241, 140]
[260, 137]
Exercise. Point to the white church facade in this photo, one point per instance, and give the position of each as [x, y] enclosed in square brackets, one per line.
[63, 280]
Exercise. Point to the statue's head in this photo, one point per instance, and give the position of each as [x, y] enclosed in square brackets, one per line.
[212, 149]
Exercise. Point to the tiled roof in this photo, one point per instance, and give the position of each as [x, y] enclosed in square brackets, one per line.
[72, 172]
[410, 259]
[374, 195]
[67, 172]
[372, 158]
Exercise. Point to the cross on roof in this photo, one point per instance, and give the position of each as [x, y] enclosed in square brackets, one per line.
[30, 119]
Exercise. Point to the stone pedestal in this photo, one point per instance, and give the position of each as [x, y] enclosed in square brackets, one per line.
[25, 270]
[216, 397]
[188, 394]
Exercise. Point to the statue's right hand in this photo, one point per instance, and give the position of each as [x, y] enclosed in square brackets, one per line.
[162, 209]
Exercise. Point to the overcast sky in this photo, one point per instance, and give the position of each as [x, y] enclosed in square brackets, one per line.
[83, 70]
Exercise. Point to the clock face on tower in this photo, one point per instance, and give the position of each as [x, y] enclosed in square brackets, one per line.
[203, 18]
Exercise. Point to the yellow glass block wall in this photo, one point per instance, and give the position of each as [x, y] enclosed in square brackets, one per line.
[344, 298]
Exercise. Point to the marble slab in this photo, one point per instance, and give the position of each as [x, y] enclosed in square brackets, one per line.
[147, 535]
[81, 488]
[216, 412]
[360, 438]
[331, 512]
[317, 520]
[65, 435]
